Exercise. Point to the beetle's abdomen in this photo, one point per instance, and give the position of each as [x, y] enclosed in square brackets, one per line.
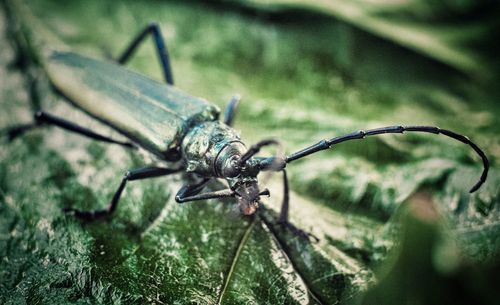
[207, 146]
[157, 116]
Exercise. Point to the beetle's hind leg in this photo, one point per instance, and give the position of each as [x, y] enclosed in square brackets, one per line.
[17, 130]
[161, 48]
[137, 174]
[283, 218]
[42, 118]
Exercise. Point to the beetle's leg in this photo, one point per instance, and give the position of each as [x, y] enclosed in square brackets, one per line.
[17, 130]
[190, 190]
[42, 118]
[161, 48]
[191, 193]
[286, 199]
[230, 110]
[283, 218]
[136, 174]
[205, 196]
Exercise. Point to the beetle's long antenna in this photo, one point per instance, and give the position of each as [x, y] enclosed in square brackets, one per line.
[325, 144]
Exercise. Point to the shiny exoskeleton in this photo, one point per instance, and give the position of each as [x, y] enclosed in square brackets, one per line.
[177, 127]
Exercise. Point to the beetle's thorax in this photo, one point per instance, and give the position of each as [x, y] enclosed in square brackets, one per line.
[211, 149]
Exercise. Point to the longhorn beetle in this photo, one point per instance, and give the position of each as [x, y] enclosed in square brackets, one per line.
[175, 126]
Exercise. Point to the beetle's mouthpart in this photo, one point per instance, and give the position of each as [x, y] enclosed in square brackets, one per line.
[248, 195]
[249, 206]
[246, 207]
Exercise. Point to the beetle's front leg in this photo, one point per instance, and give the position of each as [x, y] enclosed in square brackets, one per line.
[192, 192]
[285, 206]
[205, 196]
[137, 174]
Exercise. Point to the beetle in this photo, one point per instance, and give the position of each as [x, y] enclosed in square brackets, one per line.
[177, 127]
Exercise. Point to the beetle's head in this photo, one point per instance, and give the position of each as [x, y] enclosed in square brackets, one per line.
[248, 195]
[240, 169]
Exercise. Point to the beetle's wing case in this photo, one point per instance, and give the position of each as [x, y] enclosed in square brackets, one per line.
[157, 116]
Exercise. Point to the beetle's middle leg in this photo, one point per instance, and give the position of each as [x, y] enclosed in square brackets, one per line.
[136, 174]
[283, 218]
[230, 110]
[161, 48]
[42, 118]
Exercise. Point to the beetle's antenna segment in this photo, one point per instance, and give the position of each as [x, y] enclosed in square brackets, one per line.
[361, 134]
[254, 149]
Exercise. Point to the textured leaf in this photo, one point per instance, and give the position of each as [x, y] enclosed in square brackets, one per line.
[156, 251]
[407, 23]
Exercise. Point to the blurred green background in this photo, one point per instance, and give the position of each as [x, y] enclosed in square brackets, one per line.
[395, 220]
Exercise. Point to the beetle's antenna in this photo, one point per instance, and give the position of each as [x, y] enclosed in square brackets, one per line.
[325, 144]
[254, 149]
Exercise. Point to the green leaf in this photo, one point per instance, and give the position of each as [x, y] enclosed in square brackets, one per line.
[156, 251]
[407, 24]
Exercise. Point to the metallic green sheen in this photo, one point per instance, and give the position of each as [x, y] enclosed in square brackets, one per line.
[156, 116]
[209, 147]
